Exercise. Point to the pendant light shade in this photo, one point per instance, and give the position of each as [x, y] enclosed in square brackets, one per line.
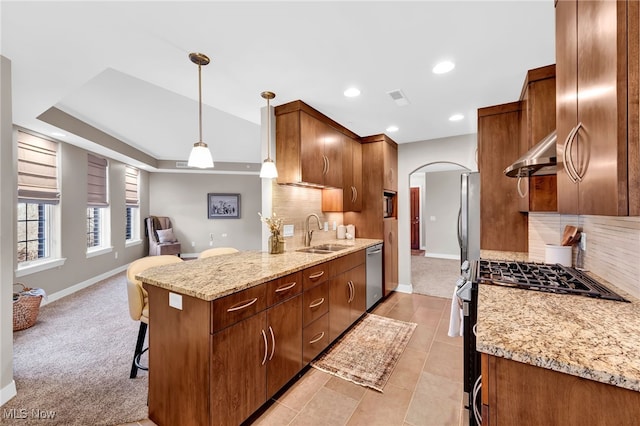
[268, 169]
[200, 156]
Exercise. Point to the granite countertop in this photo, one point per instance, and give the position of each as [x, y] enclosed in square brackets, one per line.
[582, 336]
[214, 277]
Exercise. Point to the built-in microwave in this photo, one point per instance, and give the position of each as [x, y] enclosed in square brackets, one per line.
[388, 204]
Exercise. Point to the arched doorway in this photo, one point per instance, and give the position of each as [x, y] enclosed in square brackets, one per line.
[435, 199]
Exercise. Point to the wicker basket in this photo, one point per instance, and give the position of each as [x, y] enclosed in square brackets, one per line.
[25, 308]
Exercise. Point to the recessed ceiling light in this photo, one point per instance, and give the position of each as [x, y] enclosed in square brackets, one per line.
[58, 134]
[392, 129]
[456, 117]
[443, 67]
[352, 92]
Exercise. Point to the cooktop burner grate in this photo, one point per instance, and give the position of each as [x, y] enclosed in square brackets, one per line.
[553, 278]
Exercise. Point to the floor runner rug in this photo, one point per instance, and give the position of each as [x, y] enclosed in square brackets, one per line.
[368, 352]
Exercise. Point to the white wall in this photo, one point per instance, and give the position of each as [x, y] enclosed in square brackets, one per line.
[442, 202]
[412, 156]
[183, 198]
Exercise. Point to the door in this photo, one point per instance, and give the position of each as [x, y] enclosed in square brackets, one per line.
[284, 334]
[415, 218]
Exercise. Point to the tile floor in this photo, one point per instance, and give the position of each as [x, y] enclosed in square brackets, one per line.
[425, 388]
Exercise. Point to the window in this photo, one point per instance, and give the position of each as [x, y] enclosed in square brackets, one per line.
[97, 205]
[132, 232]
[38, 198]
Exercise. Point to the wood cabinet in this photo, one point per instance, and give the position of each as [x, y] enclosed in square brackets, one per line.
[379, 165]
[309, 147]
[347, 300]
[349, 197]
[538, 116]
[390, 254]
[515, 393]
[597, 107]
[502, 226]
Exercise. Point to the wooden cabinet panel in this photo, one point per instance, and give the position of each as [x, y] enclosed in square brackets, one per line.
[316, 274]
[515, 393]
[390, 254]
[358, 305]
[315, 303]
[349, 197]
[283, 288]
[502, 226]
[339, 309]
[390, 162]
[312, 157]
[284, 325]
[315, 338]
[538, 117]
[595, 133]
[238, 357]
[333, 146]
[238, 306]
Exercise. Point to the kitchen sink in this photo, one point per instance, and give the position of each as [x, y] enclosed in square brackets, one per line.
[323, 248]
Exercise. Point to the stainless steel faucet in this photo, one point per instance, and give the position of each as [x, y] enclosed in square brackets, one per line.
[307, 232]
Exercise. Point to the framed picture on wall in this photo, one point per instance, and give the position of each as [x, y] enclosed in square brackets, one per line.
[223, 206]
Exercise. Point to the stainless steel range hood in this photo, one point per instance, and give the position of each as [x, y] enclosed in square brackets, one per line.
[539, 160]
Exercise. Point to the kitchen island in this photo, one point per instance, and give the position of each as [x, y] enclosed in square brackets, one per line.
[558, 359]
[227, 332]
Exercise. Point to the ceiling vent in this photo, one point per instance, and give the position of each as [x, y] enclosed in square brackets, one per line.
[182, 165]
[398, 97]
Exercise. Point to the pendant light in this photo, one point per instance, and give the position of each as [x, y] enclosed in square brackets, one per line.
[268, 169]
[200, 156]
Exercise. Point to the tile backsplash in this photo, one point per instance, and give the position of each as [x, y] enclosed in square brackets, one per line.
[293, 204]
[613, 245]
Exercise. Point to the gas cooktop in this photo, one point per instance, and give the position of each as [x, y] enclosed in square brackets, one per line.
[553, 278]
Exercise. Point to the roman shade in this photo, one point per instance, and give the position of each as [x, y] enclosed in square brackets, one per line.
[37, 170]
[96, 182]
[131, 187]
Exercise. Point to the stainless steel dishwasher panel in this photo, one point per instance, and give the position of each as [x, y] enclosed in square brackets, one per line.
[374, 275]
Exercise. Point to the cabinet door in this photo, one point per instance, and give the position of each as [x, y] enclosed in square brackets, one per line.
[592, 90]
[315, 338]
[333, 146]
[358, 279]
[284, 333]
[315, 303]
[339, 310]
[390, 162]
[390, 250]
[355, 194]
[312, 158]
[239, 357]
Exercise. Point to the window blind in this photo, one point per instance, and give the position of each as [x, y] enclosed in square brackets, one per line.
[37, 170]
[97, 182]
[131, 187]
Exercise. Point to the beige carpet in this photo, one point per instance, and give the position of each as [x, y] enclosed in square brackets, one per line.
[368, 353]
[73, 364]
[434, 277]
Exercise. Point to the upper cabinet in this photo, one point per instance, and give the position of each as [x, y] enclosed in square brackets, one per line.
[597, 107]
[390, 164]
[349, 198]
[309, 147]
[538, 119]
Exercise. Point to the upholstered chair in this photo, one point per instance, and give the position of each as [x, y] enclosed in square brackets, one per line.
[139, 301]
[216, 251]
[161, 237]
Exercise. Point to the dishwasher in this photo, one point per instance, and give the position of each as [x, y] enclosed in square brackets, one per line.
[374, 275]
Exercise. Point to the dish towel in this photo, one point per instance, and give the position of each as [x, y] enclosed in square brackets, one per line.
[456, 321]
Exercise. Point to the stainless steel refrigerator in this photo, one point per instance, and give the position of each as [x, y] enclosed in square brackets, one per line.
[469, 217]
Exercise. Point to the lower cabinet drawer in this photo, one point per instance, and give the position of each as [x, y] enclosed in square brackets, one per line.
[315, 303]
[315, 338]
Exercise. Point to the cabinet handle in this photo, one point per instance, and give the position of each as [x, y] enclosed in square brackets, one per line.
[273, 343]
[325, 165]
[264, 337]
[390, 237]
[316, 303]
[316, 275]
[316, 338]
[354, 194]
[327, 158]
[569, 167]
[241, 305]
[285, 287]
[350, 284]
[520, 192]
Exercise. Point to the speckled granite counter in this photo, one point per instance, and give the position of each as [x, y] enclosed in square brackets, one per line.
[218, 276]
[590, 338]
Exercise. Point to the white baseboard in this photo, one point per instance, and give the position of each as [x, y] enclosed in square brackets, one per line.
[442, 255]
[8, 392]
[404, 288]
[70, 290]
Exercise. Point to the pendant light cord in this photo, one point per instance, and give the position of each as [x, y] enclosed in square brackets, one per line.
[268, 131]
[200, 98]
